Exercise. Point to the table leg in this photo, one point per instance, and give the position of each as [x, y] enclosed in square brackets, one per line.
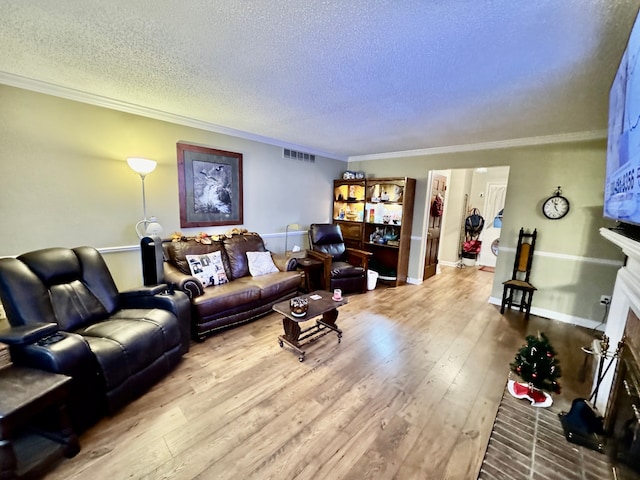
[329, 320]
[8, 461]
[291, 330]
[72, 445]
[291, 335]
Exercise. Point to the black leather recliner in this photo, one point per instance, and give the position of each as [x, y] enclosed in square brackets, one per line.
[344, 268]
[67, 317]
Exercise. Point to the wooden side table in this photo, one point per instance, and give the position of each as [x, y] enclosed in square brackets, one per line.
[312, 270]
[26, 445]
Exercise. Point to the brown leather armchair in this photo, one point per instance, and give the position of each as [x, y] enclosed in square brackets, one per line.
[344, 268]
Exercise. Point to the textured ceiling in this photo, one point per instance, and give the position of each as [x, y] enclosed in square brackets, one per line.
[347, 78]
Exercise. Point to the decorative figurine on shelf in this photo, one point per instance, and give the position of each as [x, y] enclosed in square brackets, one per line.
[537, 365]
[376, 237]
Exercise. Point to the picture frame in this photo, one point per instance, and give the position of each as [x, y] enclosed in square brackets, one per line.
[210, 186]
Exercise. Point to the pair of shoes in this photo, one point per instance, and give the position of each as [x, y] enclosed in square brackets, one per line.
[538, 398]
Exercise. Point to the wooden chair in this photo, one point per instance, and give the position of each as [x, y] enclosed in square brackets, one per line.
[520, 277]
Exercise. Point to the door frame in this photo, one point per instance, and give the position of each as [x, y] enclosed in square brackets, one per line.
[427, 214]
[425, 220]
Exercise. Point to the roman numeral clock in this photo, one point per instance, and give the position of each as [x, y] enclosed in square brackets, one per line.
[556, 206]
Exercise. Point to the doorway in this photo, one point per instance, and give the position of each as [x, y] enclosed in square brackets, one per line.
[464, 190]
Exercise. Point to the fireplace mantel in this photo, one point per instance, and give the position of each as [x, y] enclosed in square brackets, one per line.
[630, 247]
[625, 298]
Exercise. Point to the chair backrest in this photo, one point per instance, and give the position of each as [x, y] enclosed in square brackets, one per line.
[70, 287]
[524, 255]
[327, 238]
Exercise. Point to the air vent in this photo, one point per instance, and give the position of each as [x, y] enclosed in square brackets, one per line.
[302, 156]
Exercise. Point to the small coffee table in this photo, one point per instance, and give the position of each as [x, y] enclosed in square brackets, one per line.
[320, 304]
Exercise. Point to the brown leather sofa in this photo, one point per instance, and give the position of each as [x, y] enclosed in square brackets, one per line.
[244, 297]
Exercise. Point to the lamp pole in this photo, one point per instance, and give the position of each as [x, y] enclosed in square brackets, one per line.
[144, 203]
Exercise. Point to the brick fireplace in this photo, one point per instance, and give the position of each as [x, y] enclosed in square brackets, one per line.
[619, 397]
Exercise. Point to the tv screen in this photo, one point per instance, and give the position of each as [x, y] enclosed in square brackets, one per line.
[622, 189]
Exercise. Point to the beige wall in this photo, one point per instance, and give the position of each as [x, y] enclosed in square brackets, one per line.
[574, 265]
[458, 186]
[64, 180]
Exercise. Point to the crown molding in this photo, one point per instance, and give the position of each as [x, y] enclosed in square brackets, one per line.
[39, 86]
[499, 144]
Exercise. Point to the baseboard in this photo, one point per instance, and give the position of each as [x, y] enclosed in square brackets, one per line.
[448, 264]
[560, 317]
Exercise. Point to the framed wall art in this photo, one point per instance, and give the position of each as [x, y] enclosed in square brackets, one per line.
[210, 186]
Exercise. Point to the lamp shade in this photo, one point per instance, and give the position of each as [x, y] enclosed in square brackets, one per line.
[154, 228]
[142, 166]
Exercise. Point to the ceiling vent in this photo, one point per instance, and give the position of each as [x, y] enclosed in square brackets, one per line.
[302, 156]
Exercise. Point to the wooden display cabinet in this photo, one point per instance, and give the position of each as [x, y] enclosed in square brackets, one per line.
[348, 210]
[388, 217]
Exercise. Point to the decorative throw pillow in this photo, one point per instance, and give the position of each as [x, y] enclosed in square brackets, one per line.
[260, 263]
[208, 268]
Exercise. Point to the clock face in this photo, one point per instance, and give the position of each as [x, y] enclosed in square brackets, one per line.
[555, 207]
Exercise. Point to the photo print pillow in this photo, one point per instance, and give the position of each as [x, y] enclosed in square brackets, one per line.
[208, 268]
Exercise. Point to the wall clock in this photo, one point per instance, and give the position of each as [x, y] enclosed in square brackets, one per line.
[556, 206]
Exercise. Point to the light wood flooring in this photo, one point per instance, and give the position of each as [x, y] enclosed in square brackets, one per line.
[410, 393]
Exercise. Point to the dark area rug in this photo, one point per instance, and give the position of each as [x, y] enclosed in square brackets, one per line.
[528, 443]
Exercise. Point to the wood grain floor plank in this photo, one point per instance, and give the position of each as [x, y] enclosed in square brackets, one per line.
[410, 392]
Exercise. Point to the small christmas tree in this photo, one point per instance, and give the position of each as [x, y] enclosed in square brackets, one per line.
[536, 364]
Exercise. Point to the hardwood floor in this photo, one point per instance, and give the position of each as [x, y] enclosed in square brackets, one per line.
[410, 393]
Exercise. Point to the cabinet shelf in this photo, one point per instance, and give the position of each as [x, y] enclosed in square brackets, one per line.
[378, 203]
[381, 245]
[346, 220]
[379, 224]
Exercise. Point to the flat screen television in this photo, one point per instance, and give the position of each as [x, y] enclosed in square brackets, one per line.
[622, 188]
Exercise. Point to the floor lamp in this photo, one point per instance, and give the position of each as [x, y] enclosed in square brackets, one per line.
[143, 167]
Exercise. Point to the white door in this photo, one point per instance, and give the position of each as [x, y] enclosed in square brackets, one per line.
[490, 236]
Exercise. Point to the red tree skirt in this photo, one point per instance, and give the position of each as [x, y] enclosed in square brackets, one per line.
[538, 398]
